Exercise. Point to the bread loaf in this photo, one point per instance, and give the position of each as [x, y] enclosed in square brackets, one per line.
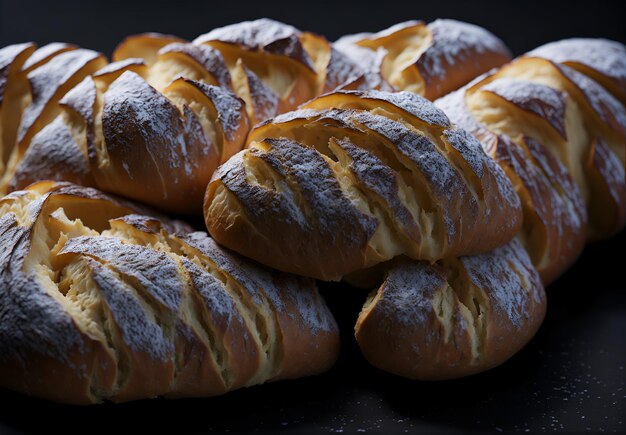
[98, 303]
[354, 179]
[454, 318]
[427, 59]
[547, 125]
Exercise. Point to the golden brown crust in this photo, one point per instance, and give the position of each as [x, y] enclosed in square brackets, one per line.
[362, 178]
[454, 318]
[142, 129]
[262, 35]
[53, 154]
[98, 304]
[45, 54]
[180, 128]
[208, 58]
[49, 83]
[261, 102]
[334, 69]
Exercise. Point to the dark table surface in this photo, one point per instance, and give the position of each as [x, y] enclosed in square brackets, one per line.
[570, 377]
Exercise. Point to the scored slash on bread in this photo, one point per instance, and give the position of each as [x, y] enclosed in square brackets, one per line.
[356, 178]
[100, 303]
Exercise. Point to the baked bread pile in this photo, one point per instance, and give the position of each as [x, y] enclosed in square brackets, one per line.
[167, 112]
[319, 160]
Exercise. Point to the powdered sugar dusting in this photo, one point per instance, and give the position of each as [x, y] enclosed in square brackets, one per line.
[511, 282]
[139, 331]
[555, 200]
[261, 35]
[208, 57]
[140, 291]
[32, 321]
[567, 205]
[264, 100]
[605, 56]
[46, 52]
[154, 270]
[261, 283]
[445, 193]
[119, 66]
[379, 178]
[340, 70]
[613, 174]
[52, 155]
[410, 102]
[408, 291]
[141, 126]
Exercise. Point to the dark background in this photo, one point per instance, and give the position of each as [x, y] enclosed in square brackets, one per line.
[571, 377]
[100, 25]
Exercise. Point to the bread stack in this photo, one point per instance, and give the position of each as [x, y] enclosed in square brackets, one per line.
[309, 160]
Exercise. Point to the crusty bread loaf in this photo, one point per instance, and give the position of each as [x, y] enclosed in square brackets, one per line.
[453, 318]
[272, 52]
[428, 59]
[98, 303]
[356, 178]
